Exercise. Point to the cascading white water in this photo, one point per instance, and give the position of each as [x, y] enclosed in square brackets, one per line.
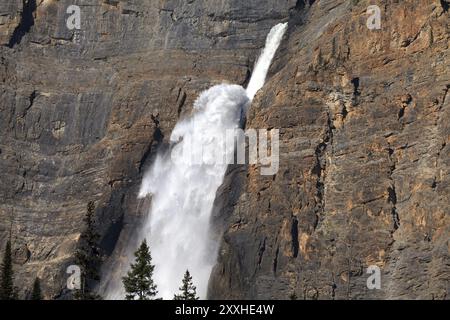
[183, 187]
[263, 63]
[183, 184]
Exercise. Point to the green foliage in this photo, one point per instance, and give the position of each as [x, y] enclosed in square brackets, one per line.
[138, 283]
[187, 289]
[7, 290]
[88, 257]
[36, 294]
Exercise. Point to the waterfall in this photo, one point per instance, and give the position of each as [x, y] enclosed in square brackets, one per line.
[183, 187]
[183, 181]
[263, 63]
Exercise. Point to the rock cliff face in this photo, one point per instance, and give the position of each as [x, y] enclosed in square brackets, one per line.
[363, 117]
[364, 162]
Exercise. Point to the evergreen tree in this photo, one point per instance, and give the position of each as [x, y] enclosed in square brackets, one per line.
[36, 294]
[188, 290]
[138, 283]
[88, 256]
[293, 296]
[7, 290]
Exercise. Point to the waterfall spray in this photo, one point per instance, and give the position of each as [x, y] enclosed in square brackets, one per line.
[178, 225]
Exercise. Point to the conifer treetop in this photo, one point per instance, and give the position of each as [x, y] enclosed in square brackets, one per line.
[7, 290]
[187, 289]
[36, 294]
[138, 282]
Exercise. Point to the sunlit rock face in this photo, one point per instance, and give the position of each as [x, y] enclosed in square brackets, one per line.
[363, 178]
[363, 118]
[82, 112]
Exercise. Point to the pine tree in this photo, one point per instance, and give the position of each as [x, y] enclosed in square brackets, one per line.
[188, 290]
[7, 290]
[88, 257]
[138, 283]
[36, 294]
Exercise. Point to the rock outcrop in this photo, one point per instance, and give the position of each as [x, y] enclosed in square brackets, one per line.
[363, 118]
